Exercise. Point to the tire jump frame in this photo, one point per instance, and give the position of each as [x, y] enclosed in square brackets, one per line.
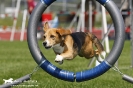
[83, 75]
[67, 75]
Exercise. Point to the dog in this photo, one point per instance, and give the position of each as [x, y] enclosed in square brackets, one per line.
[8, 81]
[68, 45]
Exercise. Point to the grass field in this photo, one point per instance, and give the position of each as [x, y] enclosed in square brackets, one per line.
[8, 21]
[16, 61]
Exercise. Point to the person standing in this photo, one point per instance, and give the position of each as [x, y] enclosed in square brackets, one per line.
[31, 4]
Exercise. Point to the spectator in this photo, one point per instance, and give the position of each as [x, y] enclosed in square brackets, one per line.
[31, 4]
[125, 9]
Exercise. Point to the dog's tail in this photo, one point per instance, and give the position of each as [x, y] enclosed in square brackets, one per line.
[96, 42]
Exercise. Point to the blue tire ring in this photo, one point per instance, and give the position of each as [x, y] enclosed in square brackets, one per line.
[83, 75]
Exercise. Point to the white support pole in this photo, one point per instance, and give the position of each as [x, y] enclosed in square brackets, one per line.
[15, 20]
[131, 32]
[79, 23]
[104, 21]
[90, 16]
[0, 10]
[82, 15]
[23, 25]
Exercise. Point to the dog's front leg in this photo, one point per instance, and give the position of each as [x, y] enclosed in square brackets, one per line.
[68, 52]
[61, 57]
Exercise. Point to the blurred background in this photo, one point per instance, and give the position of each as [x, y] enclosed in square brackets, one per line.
[14, 15]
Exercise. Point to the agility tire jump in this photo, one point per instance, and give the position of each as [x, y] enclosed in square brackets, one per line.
[86, 74]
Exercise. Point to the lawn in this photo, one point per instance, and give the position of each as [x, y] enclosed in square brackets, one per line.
[8, 21]
[16, 61]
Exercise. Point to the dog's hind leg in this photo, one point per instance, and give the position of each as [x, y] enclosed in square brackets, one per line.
[96, 42]
[99, 46]
[100, 56]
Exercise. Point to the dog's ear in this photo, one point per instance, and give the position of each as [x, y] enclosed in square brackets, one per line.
[63, 32]
[46, 26]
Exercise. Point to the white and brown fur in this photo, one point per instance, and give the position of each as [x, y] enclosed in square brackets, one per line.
[64, 45]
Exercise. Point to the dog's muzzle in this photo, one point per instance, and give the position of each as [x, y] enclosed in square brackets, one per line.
[45, 45]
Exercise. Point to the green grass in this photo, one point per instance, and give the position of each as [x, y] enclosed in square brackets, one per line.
[16, 61]
[8, 21]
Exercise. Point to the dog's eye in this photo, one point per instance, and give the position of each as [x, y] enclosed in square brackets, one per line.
[52, 36]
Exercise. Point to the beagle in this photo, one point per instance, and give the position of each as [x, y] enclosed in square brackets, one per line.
[68, 45]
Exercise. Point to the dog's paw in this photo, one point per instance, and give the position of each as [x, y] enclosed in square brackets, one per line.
[61, 62]
[59, 59]
[102, 56]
